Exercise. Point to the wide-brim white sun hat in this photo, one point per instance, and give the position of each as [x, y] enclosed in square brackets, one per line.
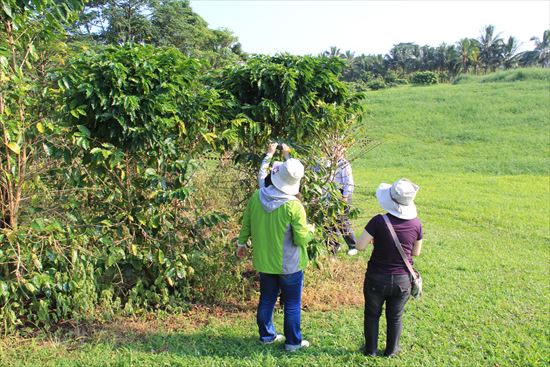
[398, 199]
[287, 176]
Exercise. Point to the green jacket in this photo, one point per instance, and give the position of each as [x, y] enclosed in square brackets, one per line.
[277, 224]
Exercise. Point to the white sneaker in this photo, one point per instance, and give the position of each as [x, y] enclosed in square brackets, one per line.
[278, 338]
[294, 348]
[352, 252]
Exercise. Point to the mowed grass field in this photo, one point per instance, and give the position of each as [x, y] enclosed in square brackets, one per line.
[480, 152]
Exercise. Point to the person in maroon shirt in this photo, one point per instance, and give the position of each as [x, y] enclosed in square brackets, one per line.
[387, 279]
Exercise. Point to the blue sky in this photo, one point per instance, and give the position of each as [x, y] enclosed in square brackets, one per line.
[368, 26]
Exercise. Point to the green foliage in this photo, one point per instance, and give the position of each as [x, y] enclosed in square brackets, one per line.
[289, 98]
[160, 23]
[29, 41]
[487, 53]
[300, 101]
[146, 99]
[141, 117]
[376, 84]
[424, 78]
[57, 277]
[358, 87]
[41, 281]
[540, 55]
[175, 24]
[123, 224]
[121, 212]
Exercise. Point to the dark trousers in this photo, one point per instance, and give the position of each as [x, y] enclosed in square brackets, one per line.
[394, 290]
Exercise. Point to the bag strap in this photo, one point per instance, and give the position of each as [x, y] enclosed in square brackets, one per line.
[399, 247]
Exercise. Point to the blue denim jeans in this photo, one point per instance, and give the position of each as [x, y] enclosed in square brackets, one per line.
[291, 287]
[394, 290]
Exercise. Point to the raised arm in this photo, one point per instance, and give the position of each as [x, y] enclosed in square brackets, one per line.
[286, 151]
[262, 174]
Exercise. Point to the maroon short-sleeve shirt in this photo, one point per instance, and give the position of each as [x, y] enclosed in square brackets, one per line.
[385, 257]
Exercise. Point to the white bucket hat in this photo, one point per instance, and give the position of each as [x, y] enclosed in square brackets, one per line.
[398, 199]
[287, 176]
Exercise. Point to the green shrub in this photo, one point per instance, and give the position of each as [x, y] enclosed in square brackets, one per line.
[424, 78]
[49, 277]
[392, 79]
[286, 97]
[139, 117]
[359, 86]
[131, 216]
[299, 101]
[377, 84]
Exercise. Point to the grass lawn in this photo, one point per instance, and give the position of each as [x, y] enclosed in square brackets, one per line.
[479, 152]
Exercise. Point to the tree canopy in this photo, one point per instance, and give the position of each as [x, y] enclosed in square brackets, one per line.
[159, 23]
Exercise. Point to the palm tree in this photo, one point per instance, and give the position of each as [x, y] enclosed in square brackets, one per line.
[489, 48]
[427, 58]
[541, 54]
[348, 55]
[447, 61]
[372, 66]
[333, 52]
[404, 56]
[352, 71]
[509, 57]
[474, 60]
[468, 51]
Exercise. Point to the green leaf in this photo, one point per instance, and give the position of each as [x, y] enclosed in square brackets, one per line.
[83, 129]
[111, 259]
[160, 255]
[30, 287]
[106, 222]
[150, 172]
[14, 147]
[7, 9]
[40, 128]
[37, 224]
[170, 281]
[3, 289]
[37, 262]
[142, 219]
[181, 273]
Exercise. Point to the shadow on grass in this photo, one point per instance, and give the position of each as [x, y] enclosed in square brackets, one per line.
[202, 344]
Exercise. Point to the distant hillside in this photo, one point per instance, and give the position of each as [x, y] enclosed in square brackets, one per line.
[472, 126]
[507, 76]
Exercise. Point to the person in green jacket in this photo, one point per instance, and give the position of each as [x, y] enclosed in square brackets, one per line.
[275, 221]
